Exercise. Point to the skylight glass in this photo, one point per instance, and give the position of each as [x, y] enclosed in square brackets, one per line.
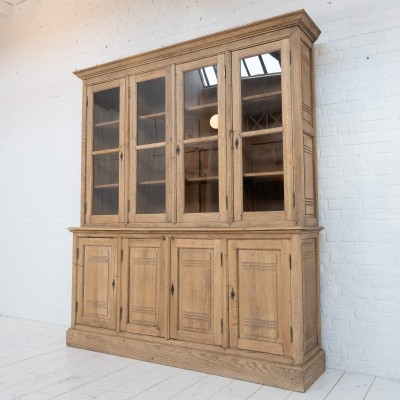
[263, 64]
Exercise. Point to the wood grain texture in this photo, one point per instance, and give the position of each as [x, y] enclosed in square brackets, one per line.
[213, 361]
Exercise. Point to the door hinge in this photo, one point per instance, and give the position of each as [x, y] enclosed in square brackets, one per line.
[129, 92]
[291, 335]
[129, 206]
[120, 313]
[226, 202]
[222, 325]
[294, 200]
[87, 101]
[290, 57]
[290, 261]
[122, 255]
[224, 71]
[76, 307]
[221, 259]
[84, 207]
[77, 253]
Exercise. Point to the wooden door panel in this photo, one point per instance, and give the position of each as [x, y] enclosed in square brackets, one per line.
[96, 282]
[259, 309]
[258, 316]
[196, 300]
[143, 293]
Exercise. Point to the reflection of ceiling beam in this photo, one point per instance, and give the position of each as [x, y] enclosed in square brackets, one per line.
[6, 8]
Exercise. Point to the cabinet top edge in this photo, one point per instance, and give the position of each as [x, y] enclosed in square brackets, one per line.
[286, 21]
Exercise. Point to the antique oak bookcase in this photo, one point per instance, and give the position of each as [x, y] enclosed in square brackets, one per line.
[198, 244]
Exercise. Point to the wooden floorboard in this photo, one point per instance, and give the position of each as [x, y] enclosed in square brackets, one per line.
[35, 364]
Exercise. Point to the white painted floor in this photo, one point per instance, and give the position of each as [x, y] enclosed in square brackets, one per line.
[35, 364]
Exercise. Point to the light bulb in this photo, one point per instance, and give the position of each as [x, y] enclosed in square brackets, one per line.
[214, 121]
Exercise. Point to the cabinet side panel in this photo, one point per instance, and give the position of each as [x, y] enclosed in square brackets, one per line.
[306, 80]
[309, 180]
[310, 294]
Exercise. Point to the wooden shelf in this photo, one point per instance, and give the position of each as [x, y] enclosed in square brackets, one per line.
[272, 174]
[107, 123]
[158, 115]
[159, 182]
[262, 96]
[201, 107]
[202, 179]
[107, 186]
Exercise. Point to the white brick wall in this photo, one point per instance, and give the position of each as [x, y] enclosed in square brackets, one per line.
[358, 105]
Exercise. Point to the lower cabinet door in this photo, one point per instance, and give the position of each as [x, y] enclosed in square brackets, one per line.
[259, 295]
[96, 282]
[196, 291]
[143, 291]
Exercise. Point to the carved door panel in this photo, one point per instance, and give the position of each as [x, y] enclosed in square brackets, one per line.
[259, 293]
[143, 286]
[196, 291]
[96, 282]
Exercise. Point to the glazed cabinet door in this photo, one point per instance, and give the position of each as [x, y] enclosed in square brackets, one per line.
[96, 282]
[143, 286]
[196, 291]
[201, 141]
[259, 295]
[262, 142]
[105, 147]
[151, 166]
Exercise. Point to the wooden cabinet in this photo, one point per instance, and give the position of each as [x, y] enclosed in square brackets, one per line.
[198, 244]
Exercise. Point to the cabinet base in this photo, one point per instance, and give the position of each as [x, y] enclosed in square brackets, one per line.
[211, 360]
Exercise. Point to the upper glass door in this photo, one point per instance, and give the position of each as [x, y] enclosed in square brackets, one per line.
[105, 151]
[200, 150]
[150, 165]
[260, 114]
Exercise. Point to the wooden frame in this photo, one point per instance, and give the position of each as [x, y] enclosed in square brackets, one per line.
[89, 217]
[221, 215]
[168, 144]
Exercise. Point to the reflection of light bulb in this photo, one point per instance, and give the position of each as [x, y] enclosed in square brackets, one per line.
[214, 121]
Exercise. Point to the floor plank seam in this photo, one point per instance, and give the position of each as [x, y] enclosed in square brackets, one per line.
[333, 387]
[31, 358]
[194, 383]
[157, 384]
[92, 381]
[370, 386]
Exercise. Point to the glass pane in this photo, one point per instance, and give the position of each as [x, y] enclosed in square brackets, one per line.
[106, 119]
[201, 102]
[263, 178]
[261, 92]
[105, 184]
[201, 177]
[263, 194]
[263, 154]
[151, 111]
[150, 189]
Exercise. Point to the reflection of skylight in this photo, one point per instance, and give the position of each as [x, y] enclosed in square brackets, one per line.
[271, 63]
[263, 64]
[209, 75]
